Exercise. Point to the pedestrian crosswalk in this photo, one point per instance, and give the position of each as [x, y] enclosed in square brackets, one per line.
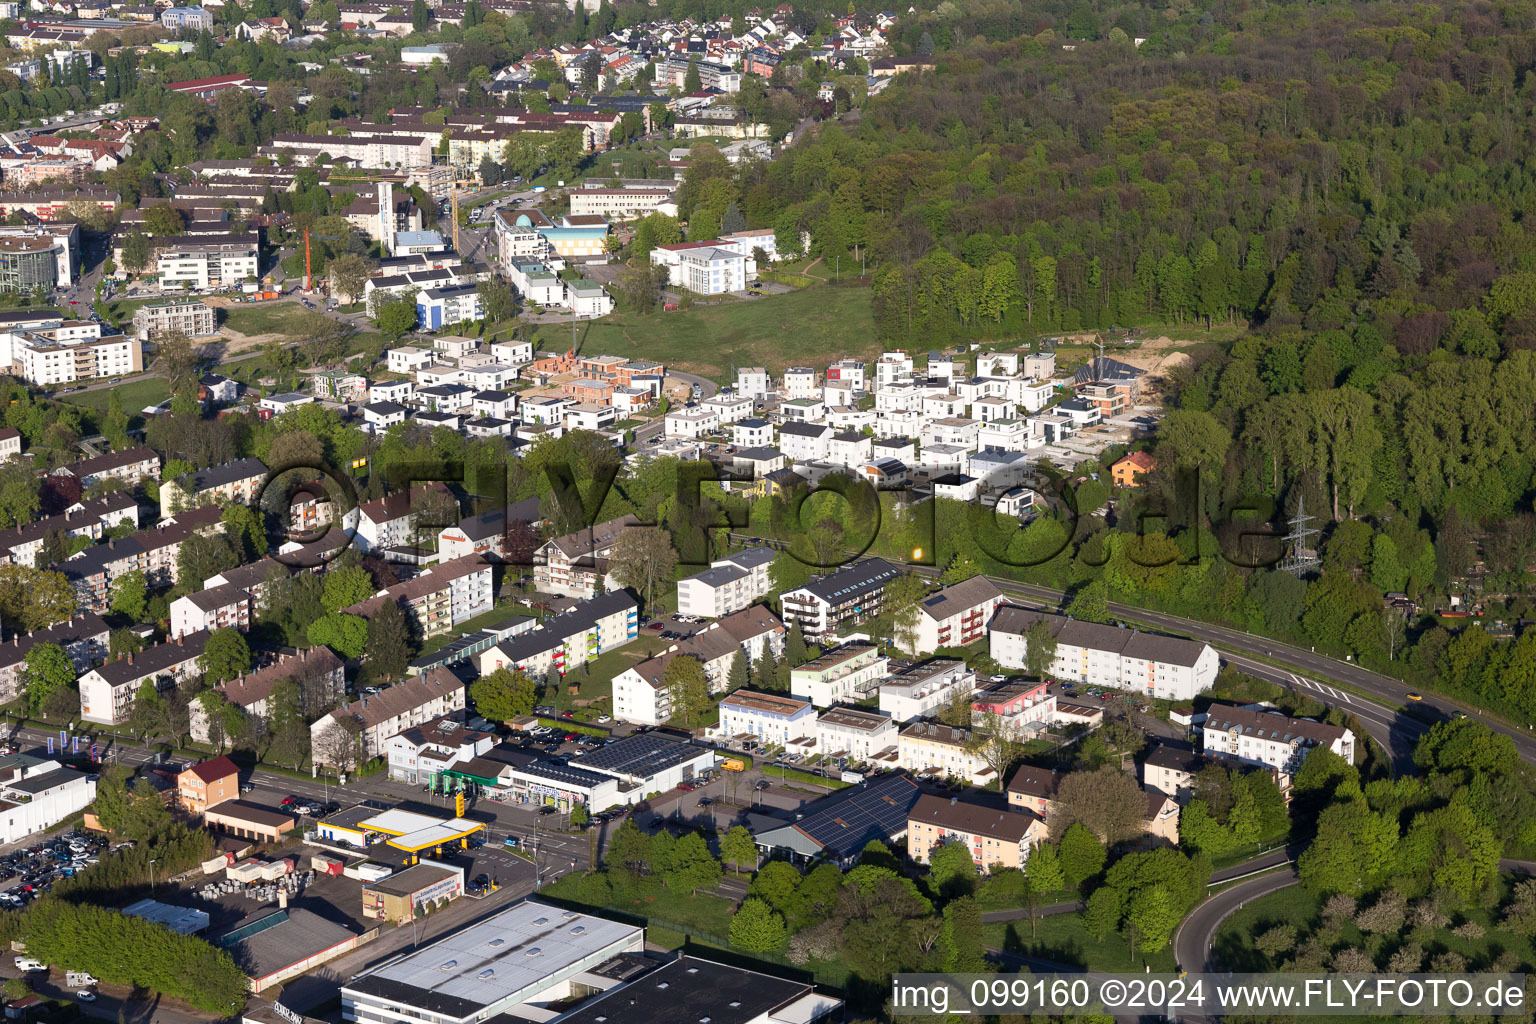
[1322, 688]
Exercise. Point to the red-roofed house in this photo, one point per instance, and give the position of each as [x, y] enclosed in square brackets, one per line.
[1131, 470]
[207, 88]
[101, 154]
[204, 785]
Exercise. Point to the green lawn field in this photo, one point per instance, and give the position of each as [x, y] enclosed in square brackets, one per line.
[1299, 908]
[1062, 938]
[812, 326]
[135, 395]
[265, 318]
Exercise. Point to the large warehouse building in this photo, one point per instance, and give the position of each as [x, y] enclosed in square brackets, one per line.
[530, 954]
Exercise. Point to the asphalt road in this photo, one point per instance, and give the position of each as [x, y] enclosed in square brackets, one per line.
[1193, 941]
[707, 389]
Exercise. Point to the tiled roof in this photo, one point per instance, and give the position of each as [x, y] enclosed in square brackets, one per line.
[972, 817]
[960, 597]
[1128, 643]
[215, 769]
[395, 700]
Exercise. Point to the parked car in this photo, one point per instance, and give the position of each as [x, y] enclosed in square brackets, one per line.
[26, 963]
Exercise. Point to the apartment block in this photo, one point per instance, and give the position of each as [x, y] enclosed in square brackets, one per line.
[995, 836]
[157, 319]
[234, 483]
[957, 615]
[1148, 664]
[570, 564]
[206, 264]
[391, 711]
[441, 597]
[848, 674]
[107, 691]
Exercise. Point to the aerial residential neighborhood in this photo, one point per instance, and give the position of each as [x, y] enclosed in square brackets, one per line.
[618, 513]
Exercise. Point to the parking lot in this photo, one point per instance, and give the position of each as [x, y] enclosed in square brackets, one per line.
[674, 626]
[29, 871]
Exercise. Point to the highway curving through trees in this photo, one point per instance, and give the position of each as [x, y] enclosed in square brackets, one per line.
[1337, 683]
[1196, 936]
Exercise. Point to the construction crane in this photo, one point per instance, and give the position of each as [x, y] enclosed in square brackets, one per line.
[455, 219]
[309, 277]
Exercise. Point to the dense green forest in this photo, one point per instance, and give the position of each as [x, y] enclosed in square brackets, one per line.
[1352, 168]
[1349, 182]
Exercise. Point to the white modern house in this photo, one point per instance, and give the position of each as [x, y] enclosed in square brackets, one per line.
[925, 689]
[767, 719]
[36, 795]
[704, 268]
[845, 675]
[857, 735]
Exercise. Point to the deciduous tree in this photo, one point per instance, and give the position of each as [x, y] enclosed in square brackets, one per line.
[504, 694]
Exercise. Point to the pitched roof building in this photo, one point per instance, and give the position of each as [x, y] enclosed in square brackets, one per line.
[318, 673]
[1148, 664]
[394, 709]
[851, 594]
[837, 827]
[995, 835]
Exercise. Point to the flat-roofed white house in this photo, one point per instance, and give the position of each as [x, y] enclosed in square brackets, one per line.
[862, 736]
[925, 688]
[848, 674]
[766, 719]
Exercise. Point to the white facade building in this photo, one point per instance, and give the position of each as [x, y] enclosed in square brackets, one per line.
[1165, 667]
[957, 615]
[753, 382]
[846, 675]
[925, 689]
[729, 585]
[1255, 736]
[37, 795]
[856, 735]
[766, 719]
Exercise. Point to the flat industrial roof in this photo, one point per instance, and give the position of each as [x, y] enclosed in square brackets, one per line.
[689, 989]
[436, 834]
[507, 958]
[396, 822]
[351, 818]
[182, 920]
[412, 880]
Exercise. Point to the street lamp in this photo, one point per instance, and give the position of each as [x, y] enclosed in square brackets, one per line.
[152, 877]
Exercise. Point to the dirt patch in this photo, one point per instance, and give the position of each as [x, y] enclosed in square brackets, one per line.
[239, 343]
[1156, 355]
